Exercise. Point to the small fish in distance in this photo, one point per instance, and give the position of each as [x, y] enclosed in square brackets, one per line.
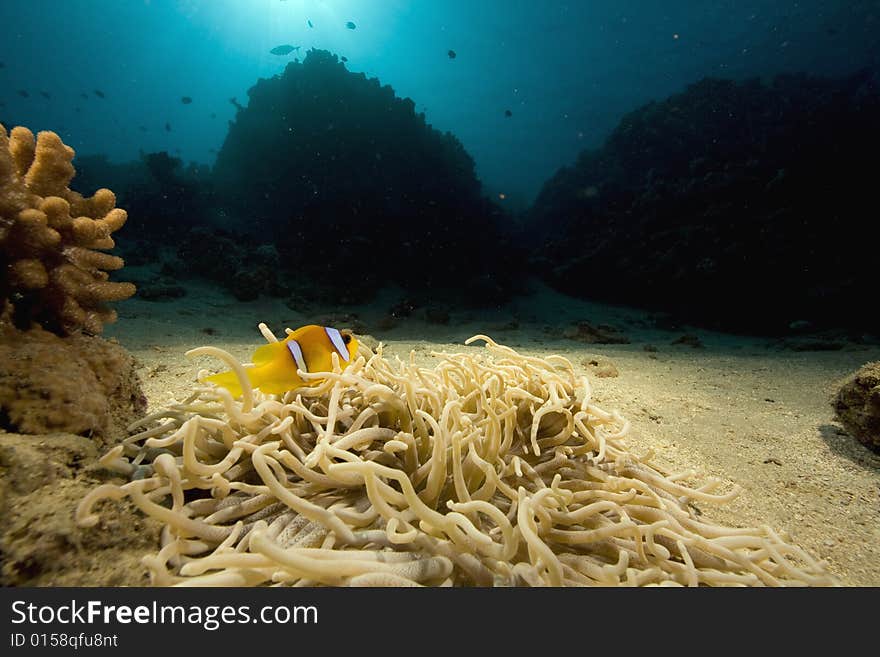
[23, 93]
[508, 113]
[167, 126]
[350, 25]
[310, 23]
[99, 93]
[286, 49]
[45, 94]
[186, 100]
[451, 54]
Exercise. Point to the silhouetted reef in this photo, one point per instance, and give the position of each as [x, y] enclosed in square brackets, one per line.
[742, 206]
[734, 204]
[357, 191]
[161, 194]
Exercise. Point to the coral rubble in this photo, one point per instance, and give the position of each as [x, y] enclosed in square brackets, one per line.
[857, 405]
[52, 239]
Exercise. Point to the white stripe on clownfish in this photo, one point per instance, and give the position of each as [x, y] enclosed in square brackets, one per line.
[338, 343]
[279, 366]
[296, 352]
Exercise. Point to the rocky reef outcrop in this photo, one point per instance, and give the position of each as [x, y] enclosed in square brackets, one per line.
[236, 262]
[742, 205]
[55, 374]
[166, 195]
[41, 483]
[79, 384]
[356, 190]
[857, 405]
[65, 392]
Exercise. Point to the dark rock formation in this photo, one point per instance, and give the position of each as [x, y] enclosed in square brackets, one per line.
[357, 191]
[236, 262]
[159, 190]
[857, 405]
[732, 204]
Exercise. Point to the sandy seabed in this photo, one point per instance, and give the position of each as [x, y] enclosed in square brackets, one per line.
[742, 409]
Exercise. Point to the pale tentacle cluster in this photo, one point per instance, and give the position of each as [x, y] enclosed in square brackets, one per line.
[492, 468]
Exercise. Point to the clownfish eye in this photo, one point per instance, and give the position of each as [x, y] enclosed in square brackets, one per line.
[346, 338]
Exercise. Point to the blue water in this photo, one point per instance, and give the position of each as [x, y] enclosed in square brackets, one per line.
[566, 70]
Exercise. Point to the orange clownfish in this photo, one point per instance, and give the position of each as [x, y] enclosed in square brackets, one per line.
[308, 348]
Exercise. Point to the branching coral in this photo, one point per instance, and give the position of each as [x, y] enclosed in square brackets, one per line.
[54, 271]
[489, 469]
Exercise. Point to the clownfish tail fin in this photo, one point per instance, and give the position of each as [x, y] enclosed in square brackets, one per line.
[229, 381]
